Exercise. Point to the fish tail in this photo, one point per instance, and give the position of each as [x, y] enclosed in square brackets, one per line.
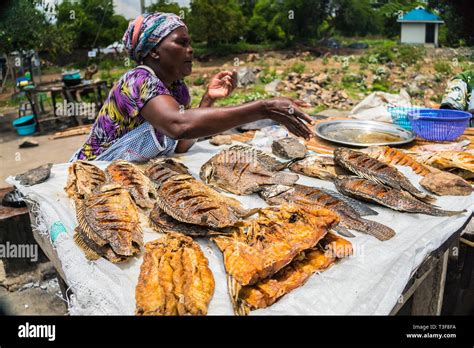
[285, 179]
[378, 230]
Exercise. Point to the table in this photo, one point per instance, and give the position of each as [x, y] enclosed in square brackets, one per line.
[409, 264]
[70, 94]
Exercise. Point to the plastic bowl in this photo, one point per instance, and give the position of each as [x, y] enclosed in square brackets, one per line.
[399, 115]
[25, 125]
[439, 124]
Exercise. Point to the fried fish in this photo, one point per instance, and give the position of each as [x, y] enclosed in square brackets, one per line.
[367, 167]
[261, 247]
[312, 197]
[83, 179]
[364, 189]
[242, 171]
[175, 278]
[109, 225]
[132, 178]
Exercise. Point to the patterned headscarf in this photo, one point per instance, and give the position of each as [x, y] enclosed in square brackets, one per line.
[147, 31]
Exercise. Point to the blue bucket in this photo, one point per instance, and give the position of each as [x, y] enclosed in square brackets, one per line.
[25, 125]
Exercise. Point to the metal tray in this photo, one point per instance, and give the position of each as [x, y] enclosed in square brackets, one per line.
[363, 133]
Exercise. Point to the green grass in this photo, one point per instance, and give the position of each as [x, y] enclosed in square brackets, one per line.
[443, 67]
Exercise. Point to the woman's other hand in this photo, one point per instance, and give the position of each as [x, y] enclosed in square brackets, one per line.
[286, 112]
[222, 84]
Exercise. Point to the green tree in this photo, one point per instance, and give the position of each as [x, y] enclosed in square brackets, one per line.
[391, 10]
[458, 16]
[24, 25]
[356, 17]
[92, 22]
[216, 21]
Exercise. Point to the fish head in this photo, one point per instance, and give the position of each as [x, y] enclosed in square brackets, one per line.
[271, 191]
[206, 172]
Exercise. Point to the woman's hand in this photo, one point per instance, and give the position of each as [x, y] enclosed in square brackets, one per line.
[286, 112]
[222, 84]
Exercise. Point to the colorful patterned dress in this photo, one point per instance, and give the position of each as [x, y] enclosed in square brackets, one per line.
[120, 113]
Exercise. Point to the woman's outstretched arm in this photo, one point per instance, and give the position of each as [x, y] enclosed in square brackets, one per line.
[166, 115]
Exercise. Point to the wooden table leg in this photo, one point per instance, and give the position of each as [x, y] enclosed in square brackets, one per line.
[428, 298]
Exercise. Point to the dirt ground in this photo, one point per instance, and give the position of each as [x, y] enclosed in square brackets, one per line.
[15, 160]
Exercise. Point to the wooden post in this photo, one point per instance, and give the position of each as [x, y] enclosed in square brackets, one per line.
[428, 298]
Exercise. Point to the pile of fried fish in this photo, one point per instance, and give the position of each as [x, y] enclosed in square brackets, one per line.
[267, 252]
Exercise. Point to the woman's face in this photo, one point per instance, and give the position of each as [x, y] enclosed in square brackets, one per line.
[176, 54]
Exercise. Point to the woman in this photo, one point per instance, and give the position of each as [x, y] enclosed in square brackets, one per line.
[147, 112]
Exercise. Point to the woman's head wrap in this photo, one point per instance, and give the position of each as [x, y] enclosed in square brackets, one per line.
[147, 31]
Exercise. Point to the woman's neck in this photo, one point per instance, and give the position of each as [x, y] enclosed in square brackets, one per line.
[165, 78]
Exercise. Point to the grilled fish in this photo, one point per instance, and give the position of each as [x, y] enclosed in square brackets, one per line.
[312, 197]
[261, 247]
[446, 184]
[361, 208]
[460, 163]
[377, 171]
[242, 172]
[436, 181]
[393, 156]
[83, 179]
[163, 223]
[162, 169]
[269, 290]
[361, 188]
[131, 178]
[253, 154]
[174, 279]
[190, 201]
[109, 225]
[321, 167]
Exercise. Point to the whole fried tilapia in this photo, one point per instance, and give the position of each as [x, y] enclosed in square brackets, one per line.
[362, 188]
[109, 225]
[367, 167]
[361, 208]
[175, 278]
[312, 197]
[83, 179]
[460, 163]
[132, 178]
[189, 200]
[397, 157]
[163, 168]
[434, 180]
[243, 172]
[261, 247]
[267, 291]
[163, 223]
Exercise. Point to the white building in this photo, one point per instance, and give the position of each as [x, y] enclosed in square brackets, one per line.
[420, 27]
